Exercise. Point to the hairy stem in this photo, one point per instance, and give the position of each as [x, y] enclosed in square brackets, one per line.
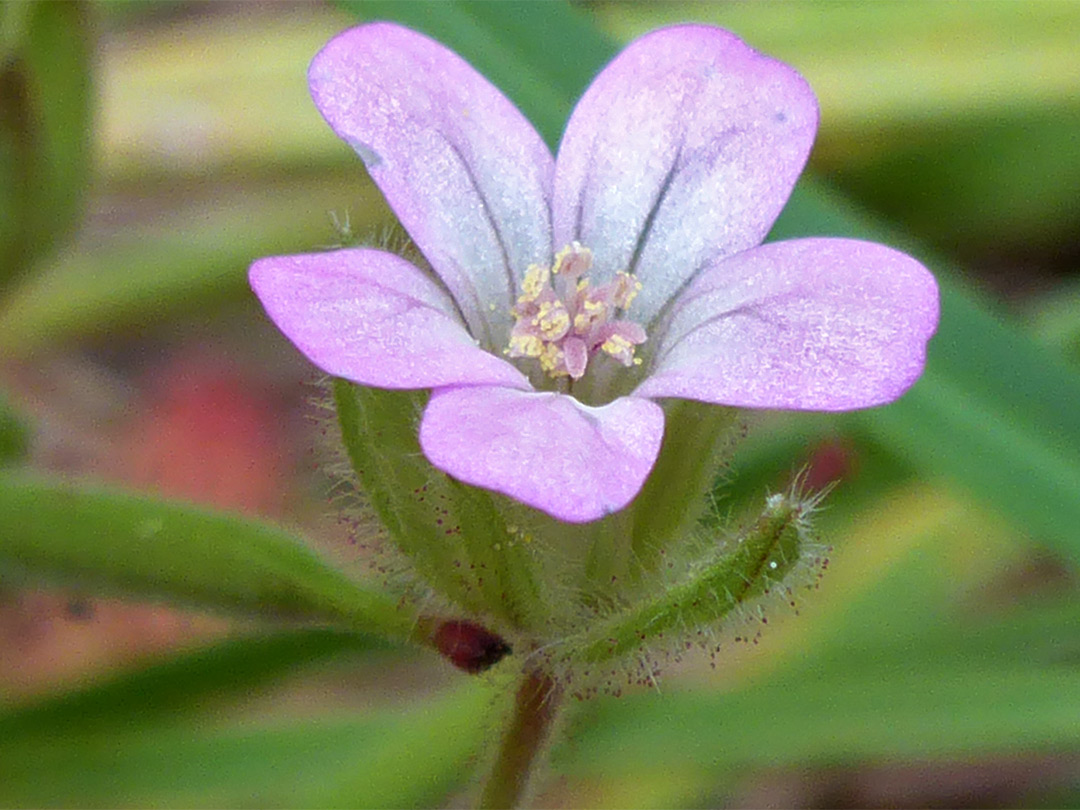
[535, 707]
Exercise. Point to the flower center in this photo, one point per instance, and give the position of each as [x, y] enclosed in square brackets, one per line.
[563, 321]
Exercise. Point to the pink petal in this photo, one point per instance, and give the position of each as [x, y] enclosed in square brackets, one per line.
[546, 450]
[683, 150]
[373, 318]
[463, 170]
[810, 324]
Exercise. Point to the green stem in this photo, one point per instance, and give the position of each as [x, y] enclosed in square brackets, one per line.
[535, 708]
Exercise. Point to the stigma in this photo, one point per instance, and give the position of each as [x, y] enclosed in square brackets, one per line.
[562, 321]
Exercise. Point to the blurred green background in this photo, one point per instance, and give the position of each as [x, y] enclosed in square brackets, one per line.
[150, 151]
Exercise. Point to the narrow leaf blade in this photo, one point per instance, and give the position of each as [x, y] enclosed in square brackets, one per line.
[141, 545]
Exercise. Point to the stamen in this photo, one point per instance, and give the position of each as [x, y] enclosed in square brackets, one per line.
[573, 261]
[619, 347]
[626, 289]
[552, 319]
[564, 325]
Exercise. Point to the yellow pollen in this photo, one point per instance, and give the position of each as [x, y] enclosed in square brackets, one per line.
[534, 283]
[550, 357]
[616, 343]
[620, 348]
[526, 345]
[552, 319]
[627, 290]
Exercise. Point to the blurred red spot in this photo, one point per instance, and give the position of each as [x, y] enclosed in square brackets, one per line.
[829, 462]
[207, 437]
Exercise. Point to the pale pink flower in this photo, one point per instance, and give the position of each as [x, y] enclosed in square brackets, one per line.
[570, 293]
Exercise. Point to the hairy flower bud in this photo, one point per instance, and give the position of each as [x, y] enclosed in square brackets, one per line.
[763, 558]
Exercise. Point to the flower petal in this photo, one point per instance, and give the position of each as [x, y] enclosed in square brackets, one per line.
[810, 324]
[464, 171]
[373, 318]
[683, 150]
[546, 450]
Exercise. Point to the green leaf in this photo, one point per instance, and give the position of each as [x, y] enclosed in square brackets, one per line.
[899, 698]
[173, 121]
[429, 750]
[140, 545]
[835, 717]
[205, 184]
[45, 128]
[1056, 322]
[162, 735]
[192, 259]
[179, 689]
[1004, 182]
[905, 669]
[388, 757]
[874, 62]
[901, 624]
[14, 433]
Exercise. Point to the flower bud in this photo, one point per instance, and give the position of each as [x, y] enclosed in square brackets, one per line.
[762, 559]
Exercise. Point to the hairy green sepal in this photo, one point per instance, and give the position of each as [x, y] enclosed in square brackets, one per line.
[674, 497]
[502, 561]
[455, 536]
